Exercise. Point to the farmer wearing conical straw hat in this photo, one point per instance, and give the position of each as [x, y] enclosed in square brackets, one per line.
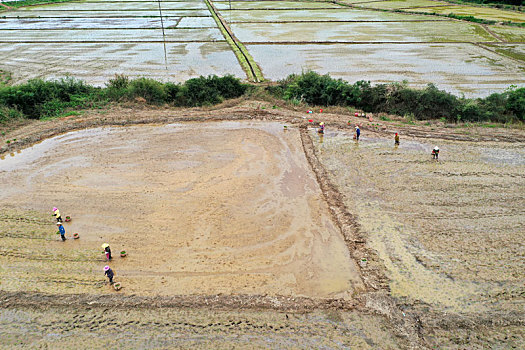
[62, 231]
[107, 251]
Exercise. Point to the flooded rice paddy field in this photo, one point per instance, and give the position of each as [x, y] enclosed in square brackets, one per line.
[481, 71]
[442, 7]
[98, 62]
[200, 208]
[131, 32]
[450, 233]
[312, 15]
[439, 31]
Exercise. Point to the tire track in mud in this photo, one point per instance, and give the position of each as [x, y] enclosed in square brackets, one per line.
[217, 301]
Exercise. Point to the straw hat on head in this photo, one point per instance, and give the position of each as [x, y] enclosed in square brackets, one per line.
[105, 245]
[106, 268]
[59, 223]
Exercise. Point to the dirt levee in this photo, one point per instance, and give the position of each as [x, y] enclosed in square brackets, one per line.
[202, 208]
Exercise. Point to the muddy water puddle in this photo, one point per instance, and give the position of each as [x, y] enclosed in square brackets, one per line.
[200, 208]
[448, 232]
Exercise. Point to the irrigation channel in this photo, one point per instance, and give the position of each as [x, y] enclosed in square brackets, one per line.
[258, 40]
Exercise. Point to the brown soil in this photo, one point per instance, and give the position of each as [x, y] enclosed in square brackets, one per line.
[432, 278]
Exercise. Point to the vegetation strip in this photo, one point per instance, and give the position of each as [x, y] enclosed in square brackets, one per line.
[245, 59]
[41, 99]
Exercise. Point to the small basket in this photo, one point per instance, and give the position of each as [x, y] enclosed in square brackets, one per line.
[123, 254]
[117, 286]
[76, 236]
[68, 218]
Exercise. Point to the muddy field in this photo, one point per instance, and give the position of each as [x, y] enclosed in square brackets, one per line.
[264, 227]
[243, 234]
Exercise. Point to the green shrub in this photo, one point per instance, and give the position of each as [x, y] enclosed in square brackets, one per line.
[151, 90]
[34, 99]
[117, 87]
[398, 98]
[209, 90]
[172, 92]
[516, 103]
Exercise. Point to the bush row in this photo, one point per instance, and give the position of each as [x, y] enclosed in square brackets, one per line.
[38, 98]
[397, 98]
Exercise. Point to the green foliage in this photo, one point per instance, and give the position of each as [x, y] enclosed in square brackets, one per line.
[209, 90]
[151, 90]
[516, 103]
[38, 99]
[471, 18]
[398, 98]
[23, 3]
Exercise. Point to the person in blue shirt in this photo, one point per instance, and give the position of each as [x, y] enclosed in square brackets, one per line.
[357, 132]
[62, 231]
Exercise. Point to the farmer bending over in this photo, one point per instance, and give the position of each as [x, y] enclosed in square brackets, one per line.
[62, 231]
[435, 153]
[109, 272]
[56, 213]
[107, 251]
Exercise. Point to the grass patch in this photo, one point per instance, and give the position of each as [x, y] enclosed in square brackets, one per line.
[5, 77]
[246, 61]
[32, 2]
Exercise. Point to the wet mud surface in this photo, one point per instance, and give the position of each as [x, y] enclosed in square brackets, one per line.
[264, 227]
[442, 240]
[139, 328]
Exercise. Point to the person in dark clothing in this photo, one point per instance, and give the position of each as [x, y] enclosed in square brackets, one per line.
[109, 273]
[357, 133]
[396, 139]
[107, 251]
[62, 231]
